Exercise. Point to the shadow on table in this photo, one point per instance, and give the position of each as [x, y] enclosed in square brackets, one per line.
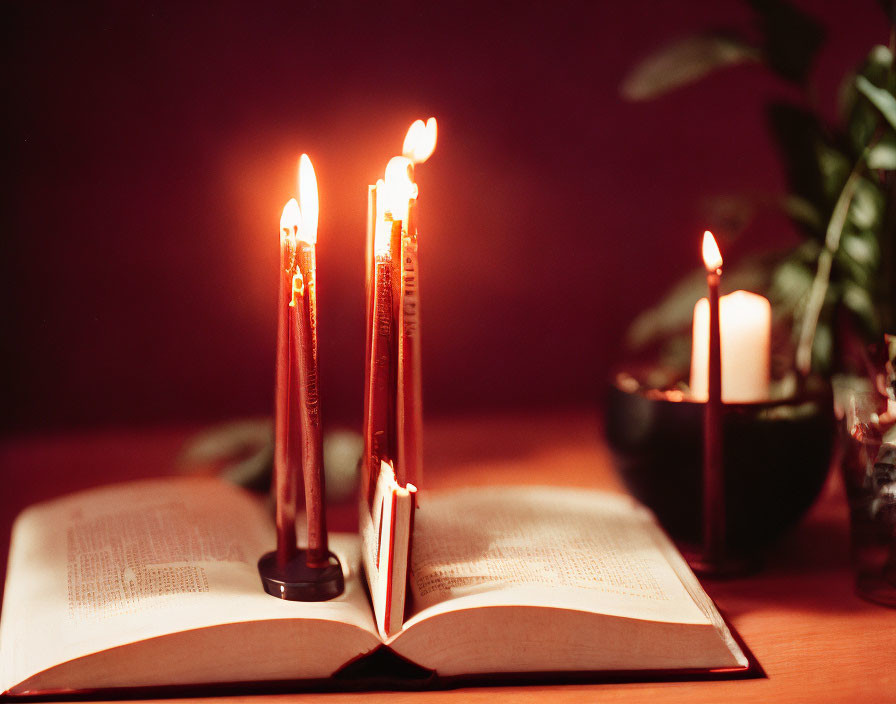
[809, 571]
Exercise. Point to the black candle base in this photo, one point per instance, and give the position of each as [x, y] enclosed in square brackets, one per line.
[296, 581]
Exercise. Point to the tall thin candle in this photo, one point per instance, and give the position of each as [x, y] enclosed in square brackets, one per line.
[305, 302]
[409, 402]
[285, 484]
[311, 574]
[378, 421]
[400, 190]
[392, 406]
[419, 145]
[369, 461]
[713, 483]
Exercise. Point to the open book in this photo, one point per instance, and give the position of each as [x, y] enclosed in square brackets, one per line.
[154, 584]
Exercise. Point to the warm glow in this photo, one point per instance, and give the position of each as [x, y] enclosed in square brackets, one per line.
[712, 257]
[298, 289]
[291, 219]
[308, 200]
[382, 233]
[399, 188]
[420, 142]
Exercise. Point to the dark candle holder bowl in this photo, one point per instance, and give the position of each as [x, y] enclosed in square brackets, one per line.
[776, 458]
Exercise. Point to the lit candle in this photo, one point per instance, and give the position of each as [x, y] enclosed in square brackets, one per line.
[304, 306]
[713, 472]
[311, 574]
[285, 485]
[419, 145]
[398, 193]
[378, 410]
[368, 459]
[745, 333]
[392, 395]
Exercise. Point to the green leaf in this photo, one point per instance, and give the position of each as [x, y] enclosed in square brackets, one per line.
[683, 62]
[791, 38]
[878, 64]
[862, 123]
[859, 301]
[867, 205]
[823, 348]
[882, 99]
[797, 133]
[802, 211]
[834, 168]
[862, 248]
[883, 156]
[851, 269]
[790, 284]
[859, 115]
[671, 315]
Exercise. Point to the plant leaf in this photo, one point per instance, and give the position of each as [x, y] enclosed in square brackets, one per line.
[791, 38]
[882, 99]
[867, 205]
[859, 301]
[823, 348]
[883, 155]
[797, 133]
[834, 167]
[801, 211]
[683, 62]
[859, 115]
[851, 269]
[790, 284]
[862, 247]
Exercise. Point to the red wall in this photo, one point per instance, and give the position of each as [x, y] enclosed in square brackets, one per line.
[151, 147]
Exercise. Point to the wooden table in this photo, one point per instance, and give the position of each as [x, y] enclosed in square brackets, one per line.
[815, 639]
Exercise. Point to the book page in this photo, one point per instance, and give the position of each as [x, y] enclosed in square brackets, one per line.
[136, 561]
[539, 546]
[385, 527]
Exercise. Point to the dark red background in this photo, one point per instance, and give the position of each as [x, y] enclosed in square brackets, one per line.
[151, 146]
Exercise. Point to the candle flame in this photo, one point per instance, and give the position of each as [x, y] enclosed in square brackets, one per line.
[712, 257]
[420, 141]
[291, 218]
[399, 187]
[308, 199]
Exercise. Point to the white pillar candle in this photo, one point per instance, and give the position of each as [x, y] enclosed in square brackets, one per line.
[745, 323]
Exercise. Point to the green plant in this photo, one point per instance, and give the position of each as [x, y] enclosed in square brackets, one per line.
[839, 284]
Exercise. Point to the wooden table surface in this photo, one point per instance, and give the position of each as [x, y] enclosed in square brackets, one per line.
[815, 639]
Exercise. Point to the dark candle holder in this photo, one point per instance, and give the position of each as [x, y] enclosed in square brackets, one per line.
[296, 581]
[776, 457]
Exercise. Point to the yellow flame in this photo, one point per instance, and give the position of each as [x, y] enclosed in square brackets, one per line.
[420, 141]
[712, 257]
[308, 199]
[399, 188]
[291, 218]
